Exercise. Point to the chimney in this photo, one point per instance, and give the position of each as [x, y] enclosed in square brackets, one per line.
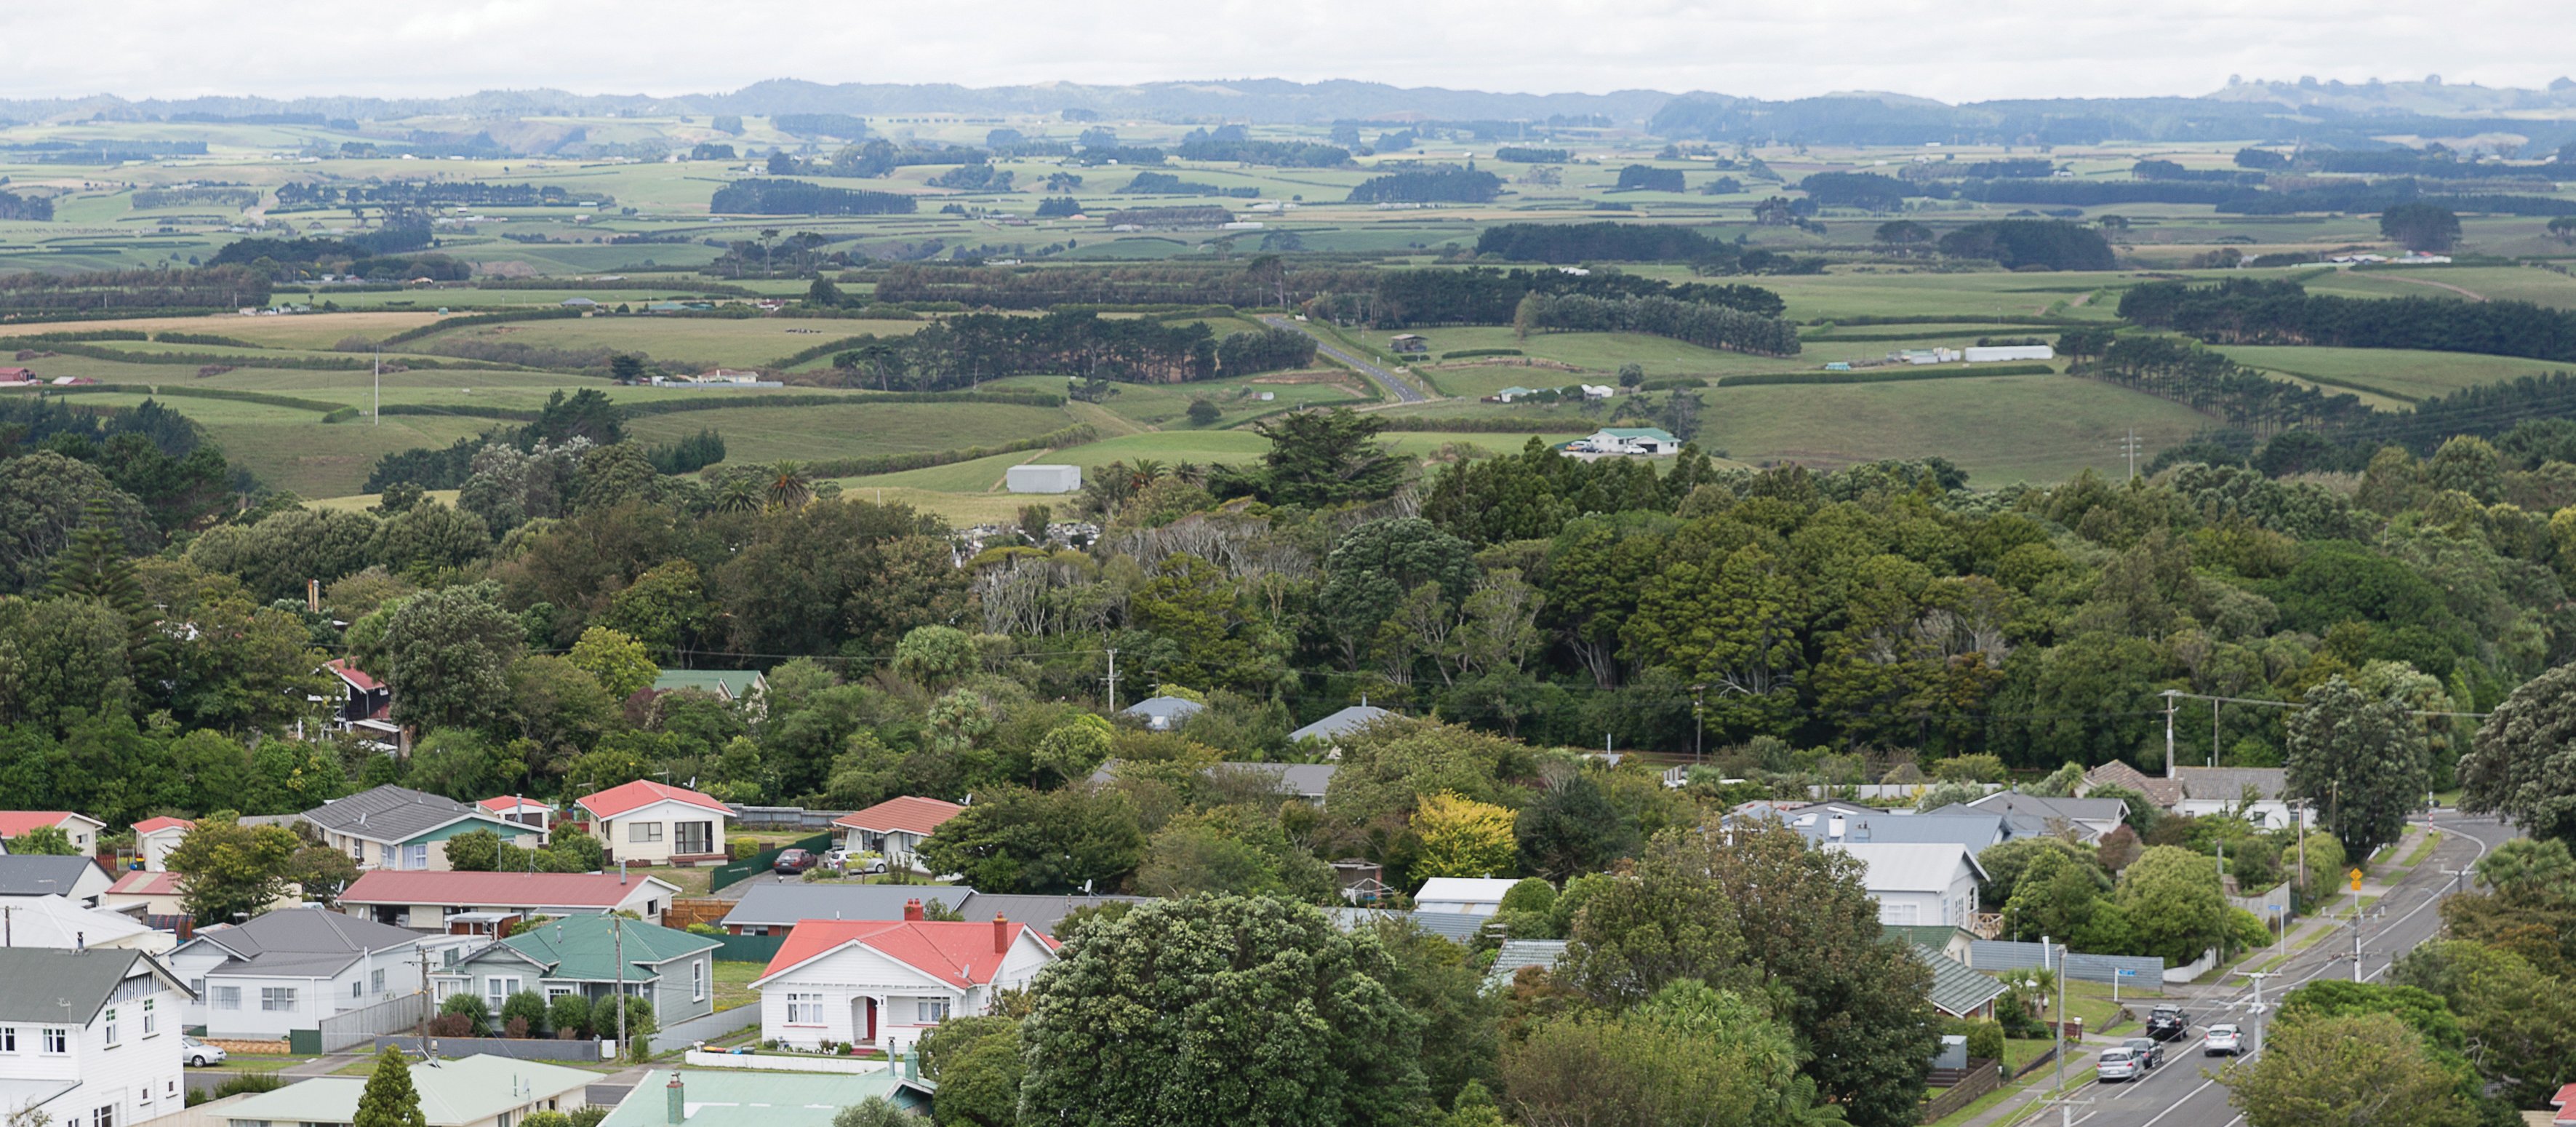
[1834, 828]
[80, 942]
[678, 1097]
[912, 910]
[1860, 831]
[1001, 935]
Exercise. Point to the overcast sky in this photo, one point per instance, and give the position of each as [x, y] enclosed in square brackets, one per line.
[1955, 50]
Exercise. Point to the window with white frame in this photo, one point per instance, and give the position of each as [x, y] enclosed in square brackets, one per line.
[277, 997]
[804, 1009]
[103, 1117]
[931, 1011]
[497, 989]
[357, 989]
[385, 854]
[8, 1038]
[376, 981]
[697, 979]
[418, 856]
[151, 1020]
[197, 986]
[58, 1041]
[107, 1027]
[227, 997]
[554, 992]
[637, 832]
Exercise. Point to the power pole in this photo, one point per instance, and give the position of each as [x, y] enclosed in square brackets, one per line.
[617, 933]
[2171, 695]
[2129, 446]
[420, 1025]
[379, 419]
[1699, 727]
[1112, 679]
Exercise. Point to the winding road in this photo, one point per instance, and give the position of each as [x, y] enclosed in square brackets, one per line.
[1396, 385]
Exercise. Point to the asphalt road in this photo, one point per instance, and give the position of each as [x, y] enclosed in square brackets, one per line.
[2184, 1091]
[1398, 386]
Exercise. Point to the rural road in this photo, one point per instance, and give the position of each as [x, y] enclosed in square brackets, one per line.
[2183, 1092]
[1403, 390]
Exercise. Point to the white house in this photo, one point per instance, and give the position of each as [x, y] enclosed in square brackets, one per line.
[528, 812]
[476, 1091]
[391, 827]
[154, 838]
[895, 828]
[2251, 793]
[1989, 353]
[290, 968]
[885, 983]
[51, 921]
[78, 879]
[1926, 883]
[1479, 896]
[81, 828]
[650, 823]
[1650, 441]
[1043, 479]
[90, 1038]
[475, 903]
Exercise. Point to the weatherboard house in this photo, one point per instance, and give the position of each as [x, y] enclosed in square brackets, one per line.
[883, 984]
[391, 827]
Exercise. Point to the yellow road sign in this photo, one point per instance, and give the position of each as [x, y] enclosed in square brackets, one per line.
[2356, 879]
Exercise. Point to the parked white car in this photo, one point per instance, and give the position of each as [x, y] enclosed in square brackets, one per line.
[200, 1054]
[2222, 1041]
[2119, 1064]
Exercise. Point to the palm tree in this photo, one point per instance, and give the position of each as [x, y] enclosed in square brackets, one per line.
[1149, 471]
[737, 493]
[790, 486]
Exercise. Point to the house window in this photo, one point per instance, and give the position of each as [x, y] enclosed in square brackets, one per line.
[931, 1011]
[419, 856]
[277, 997]
[449, 958]
[8, 1038]
[804, 1009]
[103, 1117]
[151, 1020]
[227, 997]
[637, 832]
[697, 980]
[108, 1026]
[554, 992]
[57, 1042]
[197, 986]
[696, 837]
[497, 990]
[376, 981]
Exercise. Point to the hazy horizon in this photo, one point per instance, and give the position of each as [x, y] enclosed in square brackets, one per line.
[1949, 50]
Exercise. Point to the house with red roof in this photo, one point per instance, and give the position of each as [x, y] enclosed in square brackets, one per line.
[145, 892]
[525, 811]
[81, 828]
[885, 983]
[154, 838]
[893, 829]
[364, 706]
[650, 823]
[476, 903]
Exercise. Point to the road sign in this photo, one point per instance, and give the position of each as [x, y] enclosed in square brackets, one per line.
[2356, 879]
[2276, 907]
[2127, 973]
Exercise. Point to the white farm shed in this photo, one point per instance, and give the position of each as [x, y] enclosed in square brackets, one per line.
[1989, 354]
[1043, 479]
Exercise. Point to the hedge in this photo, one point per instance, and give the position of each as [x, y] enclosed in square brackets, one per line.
[1887, 375]
[17, 342]
[1008, 398]
[1074, 435]
[1465, 353]
[1955, 318]
[470, 411]
[216, 339]
[470, 319]
[818, 351]
[1530, 425]
[201, 359]
[260, 397]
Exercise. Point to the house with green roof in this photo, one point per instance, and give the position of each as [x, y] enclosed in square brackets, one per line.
[581, 955]
[739, 686]
[701, 1097]
[476, 1091]
[1956, 990]
[1631, 440]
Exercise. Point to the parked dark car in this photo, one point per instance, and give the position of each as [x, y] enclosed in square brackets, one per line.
[796, 861]
[2167, 1023]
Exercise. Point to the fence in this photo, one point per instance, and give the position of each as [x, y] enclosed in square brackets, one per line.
[393, 1015]
[2005, 954]
[734, 872]
[2272, 905]
[1983, 1076]
[709, 1027]
[516, 1048]
[783, 818]
[2195, 968]
[747, 948]
[778, 1062]
[682, 913]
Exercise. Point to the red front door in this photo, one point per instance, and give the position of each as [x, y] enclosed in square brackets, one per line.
[872, 1021]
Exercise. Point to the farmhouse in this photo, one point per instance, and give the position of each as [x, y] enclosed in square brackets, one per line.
[894, 829]
[883, 985]
[435, 901]
[649, 823]
[1648, 441]
[1043, 479]
[1408, 343]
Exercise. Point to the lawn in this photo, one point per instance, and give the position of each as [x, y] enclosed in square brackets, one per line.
[767, 434]
[2397, 373]
[2000, 429]
[733, 984]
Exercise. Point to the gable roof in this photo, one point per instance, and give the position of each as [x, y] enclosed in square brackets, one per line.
[1340, 724]
[2228, 784]
[52, 921]
[306, 939]
[395, 814]
[2163, 792]
[511, 804]
[1037, 911]
[910, 814]
[1975, 829]
[138, 882]
[948, 952]
[156, 825]
[782, 905]
[2043, 806]
[1659, 434]
[1457, 927]
[16, 822]
[733, 684]
[585, 948]
[626, 798]
[1956, 990]
[716, 1097]
[349, 673]
[521, 890]
[36, 874]
[1518, 953]
[1928, 867]
[36, 983]
[1169, 708]
[452, 1092]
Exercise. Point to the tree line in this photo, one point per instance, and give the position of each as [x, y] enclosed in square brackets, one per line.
[1487, 296]
[1444, 184]
[1704, 324]
[2254, 311]
[796, 197]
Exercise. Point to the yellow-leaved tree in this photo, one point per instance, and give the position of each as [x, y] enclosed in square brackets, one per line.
[1462, 837]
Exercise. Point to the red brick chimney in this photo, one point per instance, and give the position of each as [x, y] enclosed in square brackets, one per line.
[1001, 935]
[912, 910]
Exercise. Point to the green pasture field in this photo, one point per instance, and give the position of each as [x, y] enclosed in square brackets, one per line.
[1165, 405]
[2398, 373]
[306, 331]
[734, 342]
[768, 434]
[2000, 429]
[292, 450]
[2495, 283]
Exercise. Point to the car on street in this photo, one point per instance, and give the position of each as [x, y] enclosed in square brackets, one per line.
[2149, 1050]
[2168, 1023]
[2223, 1041]
[199, 1054]
[796, 861]
[2118, 1064]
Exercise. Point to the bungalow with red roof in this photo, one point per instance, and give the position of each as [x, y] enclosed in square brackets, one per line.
[885, 983]
[146, 892]
[81, 828]
[476, 903]
[524, 811]
[893, 829]
[650, 823]
[154, 838]
[365, 704]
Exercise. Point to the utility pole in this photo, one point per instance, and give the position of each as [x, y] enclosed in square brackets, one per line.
[379, 419]
[420, 1025]
[1699, 726]
[2459, 879]
[617, 932]
[2356, 925]
[1113, 680]
[2129, 446]
[2258, 977]
[2170, 695]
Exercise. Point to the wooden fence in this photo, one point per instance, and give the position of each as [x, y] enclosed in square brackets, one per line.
[1983, 1076]
[695, 910]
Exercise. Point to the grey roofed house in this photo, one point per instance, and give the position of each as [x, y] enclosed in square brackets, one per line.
[2229, 784]
[2031, 815]
[1518, 953]
[1163, 714]
[38, 984]
[1975, 829]
[297, 942]
[2163, 792]
[779, 906]
[1037, 911]
[1341, 723]
[1456, 927]
[389, 813]
[1957, 990]
[1304, 780]
[35, 874]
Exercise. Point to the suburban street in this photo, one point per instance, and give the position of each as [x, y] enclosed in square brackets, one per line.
[1401, 388]
[2184, 1091]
